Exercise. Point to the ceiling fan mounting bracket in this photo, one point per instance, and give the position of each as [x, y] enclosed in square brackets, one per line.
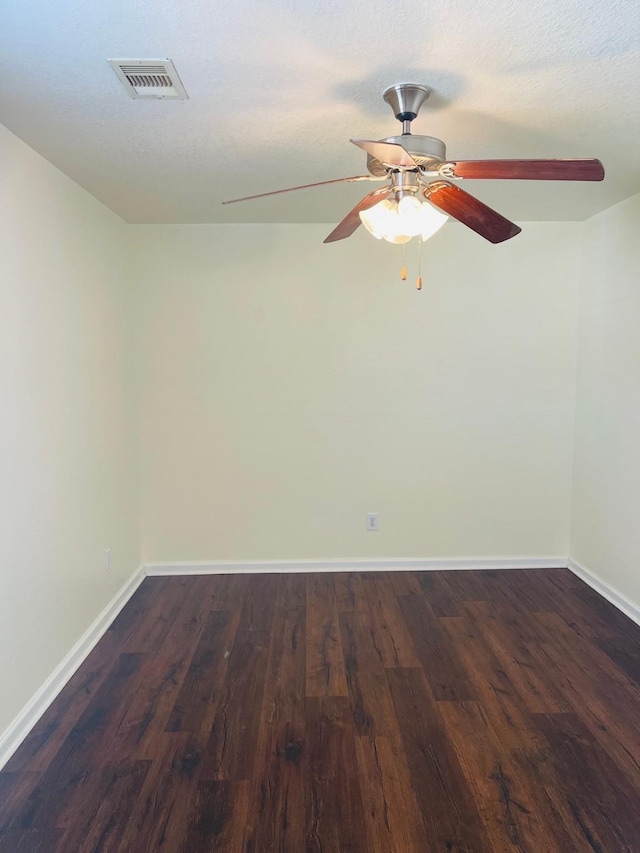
[433, 186]
[447, 170]
[405, 99]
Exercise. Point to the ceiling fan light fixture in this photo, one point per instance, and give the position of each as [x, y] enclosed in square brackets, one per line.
[398, 222]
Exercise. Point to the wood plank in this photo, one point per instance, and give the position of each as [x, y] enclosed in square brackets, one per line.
[292, 591]
[439, 594]
[285, 681]
[217, 818]
[139, 605]
[212, 589]
[164, 675]
[231, 747]
[606, 812]
[343, 583]
[31, 841]
[465, 586]
[145, 635]
[325, 675]
[449, 812]
[608, 620]
[370, 700]
[350, 594]
[435, 652]
[492, 685]
[530, 683]
[528, 588]
[392, 635]
[99, 823]
[511, 810]
[259, 604]
[392, 816]
[159, 818]
[231, 591]
[151, 710]
[45, 739]
[625, 653]
[275, 816]
[334, 813]
[195, 704]
[591, 690]
[15, 788]
[504, 603]
[71, 770]
[405, 583]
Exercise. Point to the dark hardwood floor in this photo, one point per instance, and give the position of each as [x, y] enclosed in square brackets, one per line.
[436, 711]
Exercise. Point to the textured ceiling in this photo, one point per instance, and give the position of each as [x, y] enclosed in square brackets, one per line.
[277, 87]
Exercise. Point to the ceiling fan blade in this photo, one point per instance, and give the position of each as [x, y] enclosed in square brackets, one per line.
[352, 220]
[530, 170]
[471, 212]
[389, 153]
[303, 187]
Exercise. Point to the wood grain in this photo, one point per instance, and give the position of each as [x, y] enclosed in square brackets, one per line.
[365, 712]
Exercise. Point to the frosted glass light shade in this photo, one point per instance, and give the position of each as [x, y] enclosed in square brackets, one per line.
[379, 218]
[431, 220]
[398, 222]
[408, 220]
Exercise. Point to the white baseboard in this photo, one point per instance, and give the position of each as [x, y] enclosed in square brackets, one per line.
[17, 731]
[221, 567]
[606, 590]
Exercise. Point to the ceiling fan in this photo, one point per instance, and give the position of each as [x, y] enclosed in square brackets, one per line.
[415, 167]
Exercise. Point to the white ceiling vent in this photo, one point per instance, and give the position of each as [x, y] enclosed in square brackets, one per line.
[149, 78]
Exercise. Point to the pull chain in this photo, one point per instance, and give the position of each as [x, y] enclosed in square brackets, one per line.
[403, 271]
[419, 280]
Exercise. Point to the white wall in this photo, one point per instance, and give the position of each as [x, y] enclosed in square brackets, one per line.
[605, 532]
[68, 480]
[287, 388]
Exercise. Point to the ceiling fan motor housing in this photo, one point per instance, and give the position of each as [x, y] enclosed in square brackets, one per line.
[427, 151]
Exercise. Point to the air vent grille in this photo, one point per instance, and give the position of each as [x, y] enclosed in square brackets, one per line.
[149, 78]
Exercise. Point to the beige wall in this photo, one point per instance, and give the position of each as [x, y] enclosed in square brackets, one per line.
[605, 532]
[68, 487]
[287, 388]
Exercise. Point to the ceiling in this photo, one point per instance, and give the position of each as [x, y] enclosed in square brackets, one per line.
[277, 87]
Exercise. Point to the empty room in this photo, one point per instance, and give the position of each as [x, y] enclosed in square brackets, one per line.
[320, 406]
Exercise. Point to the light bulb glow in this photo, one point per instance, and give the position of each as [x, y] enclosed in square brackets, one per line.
[398, 222]
[408, 216]
[408, 206]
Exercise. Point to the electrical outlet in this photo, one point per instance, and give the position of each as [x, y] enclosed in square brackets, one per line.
[107, 560]
[372, 522]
